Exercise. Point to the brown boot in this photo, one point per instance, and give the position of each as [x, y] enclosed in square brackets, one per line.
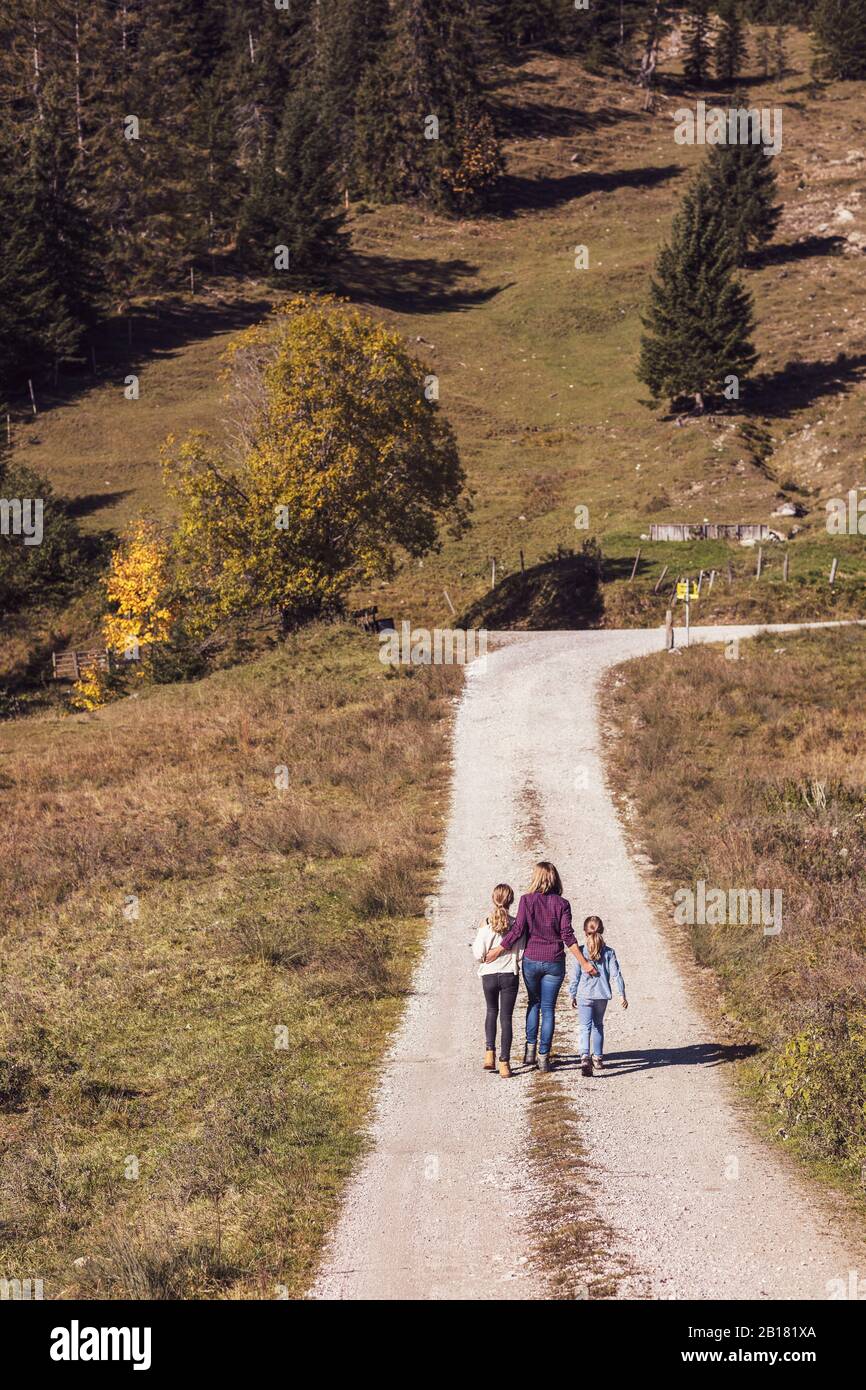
[505, 1069]
[490, 1059]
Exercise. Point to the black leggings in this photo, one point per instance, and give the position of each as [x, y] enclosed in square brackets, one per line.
[500, 993]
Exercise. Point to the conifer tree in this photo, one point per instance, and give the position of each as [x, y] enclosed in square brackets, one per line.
[779, 54]
[700, 318]
[839, 30]
[762, 51]
[742, 181]
[419, 104]
[697, 64]
[294, 195]
[730, 50]
[346, 43]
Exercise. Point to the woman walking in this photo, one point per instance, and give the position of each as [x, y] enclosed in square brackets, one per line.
[545, 915]
[500, 979]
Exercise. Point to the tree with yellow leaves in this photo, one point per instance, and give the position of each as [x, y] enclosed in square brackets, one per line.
[343, 463]
[139, 588]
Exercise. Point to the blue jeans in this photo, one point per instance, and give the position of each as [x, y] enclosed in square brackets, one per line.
[543, 980]
[590, 1015]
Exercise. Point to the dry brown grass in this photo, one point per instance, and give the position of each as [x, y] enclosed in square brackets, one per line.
[225, 1037]
[752, 774]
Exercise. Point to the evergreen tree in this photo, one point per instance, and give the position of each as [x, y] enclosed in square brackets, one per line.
[697, 64]
[742, 181]
[779, 52]
[762, 51]
[50, 249]
[699, 318]
[840, 38]
[215, 180]
[730, 49]
[420, 111]
[294, 194]
[516, 23]
[348, 40]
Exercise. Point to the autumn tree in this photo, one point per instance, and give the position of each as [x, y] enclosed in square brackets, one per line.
[138, 588]
[342, 464]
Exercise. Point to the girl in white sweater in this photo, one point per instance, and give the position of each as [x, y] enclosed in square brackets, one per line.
[500, 979]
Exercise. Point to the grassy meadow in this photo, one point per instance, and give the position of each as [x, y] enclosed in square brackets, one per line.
[750, 773]
[536, 360]
[200, 968]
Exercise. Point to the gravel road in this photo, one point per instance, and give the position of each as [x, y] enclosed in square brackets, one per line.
[439, 1209]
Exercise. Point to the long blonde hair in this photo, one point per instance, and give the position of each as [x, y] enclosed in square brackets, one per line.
[545, 879]
[594, 938]
[503, 897]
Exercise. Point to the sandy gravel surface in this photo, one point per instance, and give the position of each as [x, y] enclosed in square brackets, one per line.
[698, 1206]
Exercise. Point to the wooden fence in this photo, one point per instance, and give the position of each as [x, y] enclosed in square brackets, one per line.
[68, 665]
[710, 531]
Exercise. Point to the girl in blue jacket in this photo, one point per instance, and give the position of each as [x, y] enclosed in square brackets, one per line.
[591, 994]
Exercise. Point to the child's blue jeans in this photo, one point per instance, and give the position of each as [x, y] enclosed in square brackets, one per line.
[590, 1015]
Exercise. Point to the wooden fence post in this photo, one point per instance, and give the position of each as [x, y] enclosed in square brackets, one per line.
[730, 574]
[833, 572]
[660, 579]
[522, 564]
[760, 562]
[785, 567]
[635, 565]
[669, 630]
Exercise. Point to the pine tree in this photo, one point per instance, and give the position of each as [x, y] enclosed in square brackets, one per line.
[215, 180]
[730, 49]
[699, 318]
[697, 64]
[742, 180]
[347, 42]
[762, 51]
[415, 103]
[516, 23]
[779, 52]
[294, 195]
[51, 249]
[839, 31]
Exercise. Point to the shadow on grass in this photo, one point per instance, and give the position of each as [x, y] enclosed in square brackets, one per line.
[416, 284]
[777, 395]
[157, 332]
[785, 252]
[563, 592]
[520, 194]
[91, 502]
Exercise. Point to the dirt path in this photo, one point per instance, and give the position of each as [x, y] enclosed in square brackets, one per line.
[699, 1208]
